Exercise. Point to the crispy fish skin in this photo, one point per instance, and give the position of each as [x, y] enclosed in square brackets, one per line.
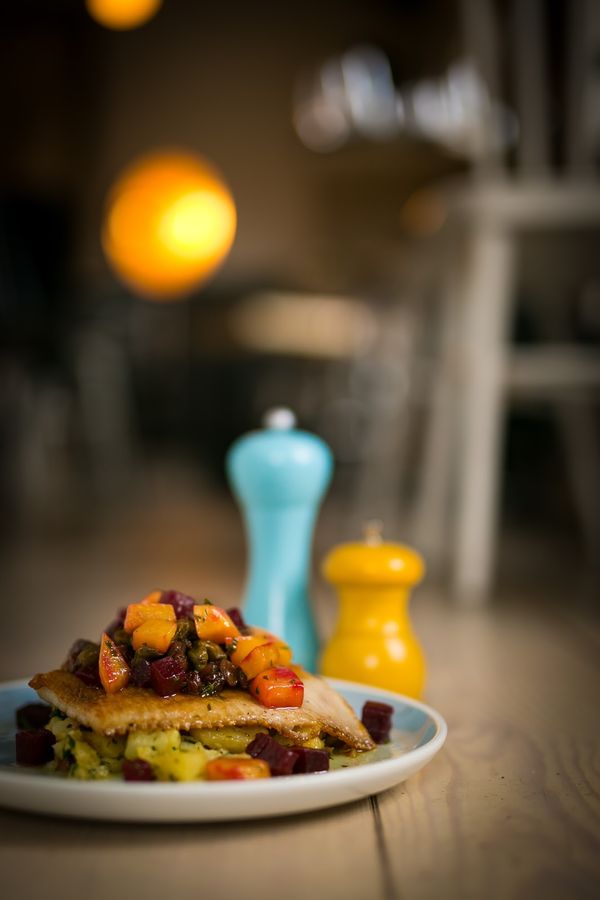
[140, 709]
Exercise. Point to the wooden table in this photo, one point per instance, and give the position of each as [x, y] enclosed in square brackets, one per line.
[509, 808]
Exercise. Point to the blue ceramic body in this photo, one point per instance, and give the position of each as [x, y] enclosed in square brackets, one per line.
[279, 477]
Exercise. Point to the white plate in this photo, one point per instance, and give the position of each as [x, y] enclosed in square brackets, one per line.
[419, 732]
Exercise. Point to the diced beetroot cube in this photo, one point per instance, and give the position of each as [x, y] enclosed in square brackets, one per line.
[34, 748]
[33, 715]
[310, 760]
[181, 603]
[141, 674]
[281, 759]
[89, 675]
[137, 770]
[237, 618]
[377, 719]
[167, 676]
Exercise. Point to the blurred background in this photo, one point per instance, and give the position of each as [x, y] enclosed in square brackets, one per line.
[384, 215]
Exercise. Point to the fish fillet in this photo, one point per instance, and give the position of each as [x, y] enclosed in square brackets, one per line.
[140, 709]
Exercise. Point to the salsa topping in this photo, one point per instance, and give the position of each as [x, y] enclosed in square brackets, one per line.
[170, 644]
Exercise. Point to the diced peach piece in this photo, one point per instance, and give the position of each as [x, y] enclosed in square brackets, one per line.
[261, 658]
[278, 688]
[137, 613]
[112, 667]
[154, 597]
[285, 651]
[213, 623]
[233, 768]
[243, 646]
[155, 633]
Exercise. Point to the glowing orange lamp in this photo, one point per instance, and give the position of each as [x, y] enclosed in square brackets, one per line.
[170, 222]
[122, 14]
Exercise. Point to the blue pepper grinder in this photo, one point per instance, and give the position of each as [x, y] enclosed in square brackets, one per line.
[279, 475]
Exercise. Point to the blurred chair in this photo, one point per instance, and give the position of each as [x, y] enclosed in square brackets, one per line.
[478, 369]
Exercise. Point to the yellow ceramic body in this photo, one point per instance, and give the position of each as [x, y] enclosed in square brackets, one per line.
[373, 641]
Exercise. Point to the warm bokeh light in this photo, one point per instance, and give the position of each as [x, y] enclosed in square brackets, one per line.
[122, 14]
[295, 324]
[170, 222]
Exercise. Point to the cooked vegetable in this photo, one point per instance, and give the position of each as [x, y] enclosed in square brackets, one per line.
[138, 613]
[278, 687]
[177, 652]
[137, 770]
[75, 650]
[215, 652]
[106, 746]
[87, 658]
[113, 669]
[185, 630]
[181, 603]
[167, 676]
[145, 744]
[232, 768]
[120, 637]
[229, 672]
[33, 715]
[154, 633]
[213, 680]
[172, 758]
[377, 719]
[213, 623]
[186, 764]
[203, 643]
[198, 655]
[140, 672]
[194, 683]
[230, 740]
[281, 760]
[310, 760]
[34, 747]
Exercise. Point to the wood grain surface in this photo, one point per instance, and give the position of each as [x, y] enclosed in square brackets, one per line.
[509, 809]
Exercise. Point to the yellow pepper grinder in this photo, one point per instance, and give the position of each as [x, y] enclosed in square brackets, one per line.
[374, 642]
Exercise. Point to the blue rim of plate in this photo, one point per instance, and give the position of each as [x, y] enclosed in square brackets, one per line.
[432, 743]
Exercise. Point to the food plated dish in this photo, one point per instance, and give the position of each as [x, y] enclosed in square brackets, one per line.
[181, 691]
[177, 691]
[418, 733]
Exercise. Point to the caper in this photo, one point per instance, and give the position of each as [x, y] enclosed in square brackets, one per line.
[229, 672]
[120, 636]
[194, 683]
[185, 630]
[213, 680]
[214, 651]
[198, 655]
[88, 656]
[177, 652]
[145, 652]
